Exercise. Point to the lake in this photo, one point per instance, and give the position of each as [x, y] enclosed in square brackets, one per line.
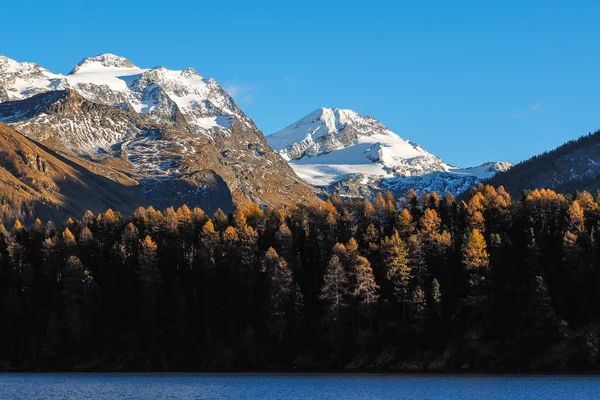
[150, 386]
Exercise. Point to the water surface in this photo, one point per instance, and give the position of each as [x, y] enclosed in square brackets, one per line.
[293, 386]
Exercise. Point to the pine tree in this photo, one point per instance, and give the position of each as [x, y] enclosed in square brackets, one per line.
[199, 218]
[75, 291]
[335, 291]
[285, 242]
[381, 209]
[209, 241]
[398, 271]
[411, 203]
[366, 289]
[220, 220]
[418, 306]
[230, 251]
[475, 212]
[281, 291]
[246, 273]
[68, 238]
[371, 240]
[404, 224]
[368, 212]
[436, 294]
[430, 222]
[476, 260]
[148, 272]
[434, 308]
[576, 218]
[239, 219]
[544, 322]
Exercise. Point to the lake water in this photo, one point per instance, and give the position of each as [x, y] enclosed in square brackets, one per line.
[293, 386]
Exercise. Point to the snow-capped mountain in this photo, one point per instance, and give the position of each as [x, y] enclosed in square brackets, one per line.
[344, 152]
[174, 131]
[112, 80]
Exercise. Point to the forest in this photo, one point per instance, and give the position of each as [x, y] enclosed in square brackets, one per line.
[424, 283]
[567, 168]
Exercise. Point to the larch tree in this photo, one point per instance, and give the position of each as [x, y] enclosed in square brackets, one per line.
[130, 242]
[475, 258]
[220, 220]
[148, 272]
[230, 251]
[285, 242]
[370, 239]
[199, 218]
[475, 209]
[209, 242]
[576, 218]
[281, 291]
[335, 291]
[366, 289]
[404, 224]
[149, 277]
[76, 285]
[398, 271]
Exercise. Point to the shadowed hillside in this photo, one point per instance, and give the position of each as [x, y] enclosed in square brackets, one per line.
[573, 166]
[37, 181]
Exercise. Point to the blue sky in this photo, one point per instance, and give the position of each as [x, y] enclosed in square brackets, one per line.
[471, 81]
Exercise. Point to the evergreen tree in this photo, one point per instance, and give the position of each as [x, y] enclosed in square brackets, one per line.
[335, 292]
[476, 260]
[366, 290]
[149, 277]
[395, 258]
[281, 291]
[76, 286]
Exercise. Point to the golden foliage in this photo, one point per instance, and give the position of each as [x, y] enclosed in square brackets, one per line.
[68, 237]
[430, 222]
[475, 255]
[576, 217]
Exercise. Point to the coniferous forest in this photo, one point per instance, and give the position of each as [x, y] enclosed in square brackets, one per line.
[425, 283]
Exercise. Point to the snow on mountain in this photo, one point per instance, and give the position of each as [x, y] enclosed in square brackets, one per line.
[326, 130]
[330, 146]
[23, 80]
[113, 80]
[106, 60]
[167, 129]
[485, 170]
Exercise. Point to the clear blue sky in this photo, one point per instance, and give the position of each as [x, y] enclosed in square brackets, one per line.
[470, 80]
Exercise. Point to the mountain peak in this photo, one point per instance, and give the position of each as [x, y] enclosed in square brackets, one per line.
[342, 115]
[106, 60]
[500, 166]
[345, 152]
[114, 80]
[324, 130]
[8, 65]
[4, 59]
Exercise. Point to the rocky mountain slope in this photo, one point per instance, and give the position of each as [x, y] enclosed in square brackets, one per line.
[348, 154]
[36, 182]
[178, 135]
[570, 167]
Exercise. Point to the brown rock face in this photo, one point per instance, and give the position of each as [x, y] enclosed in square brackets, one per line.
[174, 135]
[36, 182]
[165, 164]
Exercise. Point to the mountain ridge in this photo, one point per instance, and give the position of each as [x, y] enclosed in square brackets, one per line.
[338, 148]
[36, 181]
[568, 168]
[163, 128]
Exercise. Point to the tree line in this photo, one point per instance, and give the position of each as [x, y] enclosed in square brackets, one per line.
[423, 281]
